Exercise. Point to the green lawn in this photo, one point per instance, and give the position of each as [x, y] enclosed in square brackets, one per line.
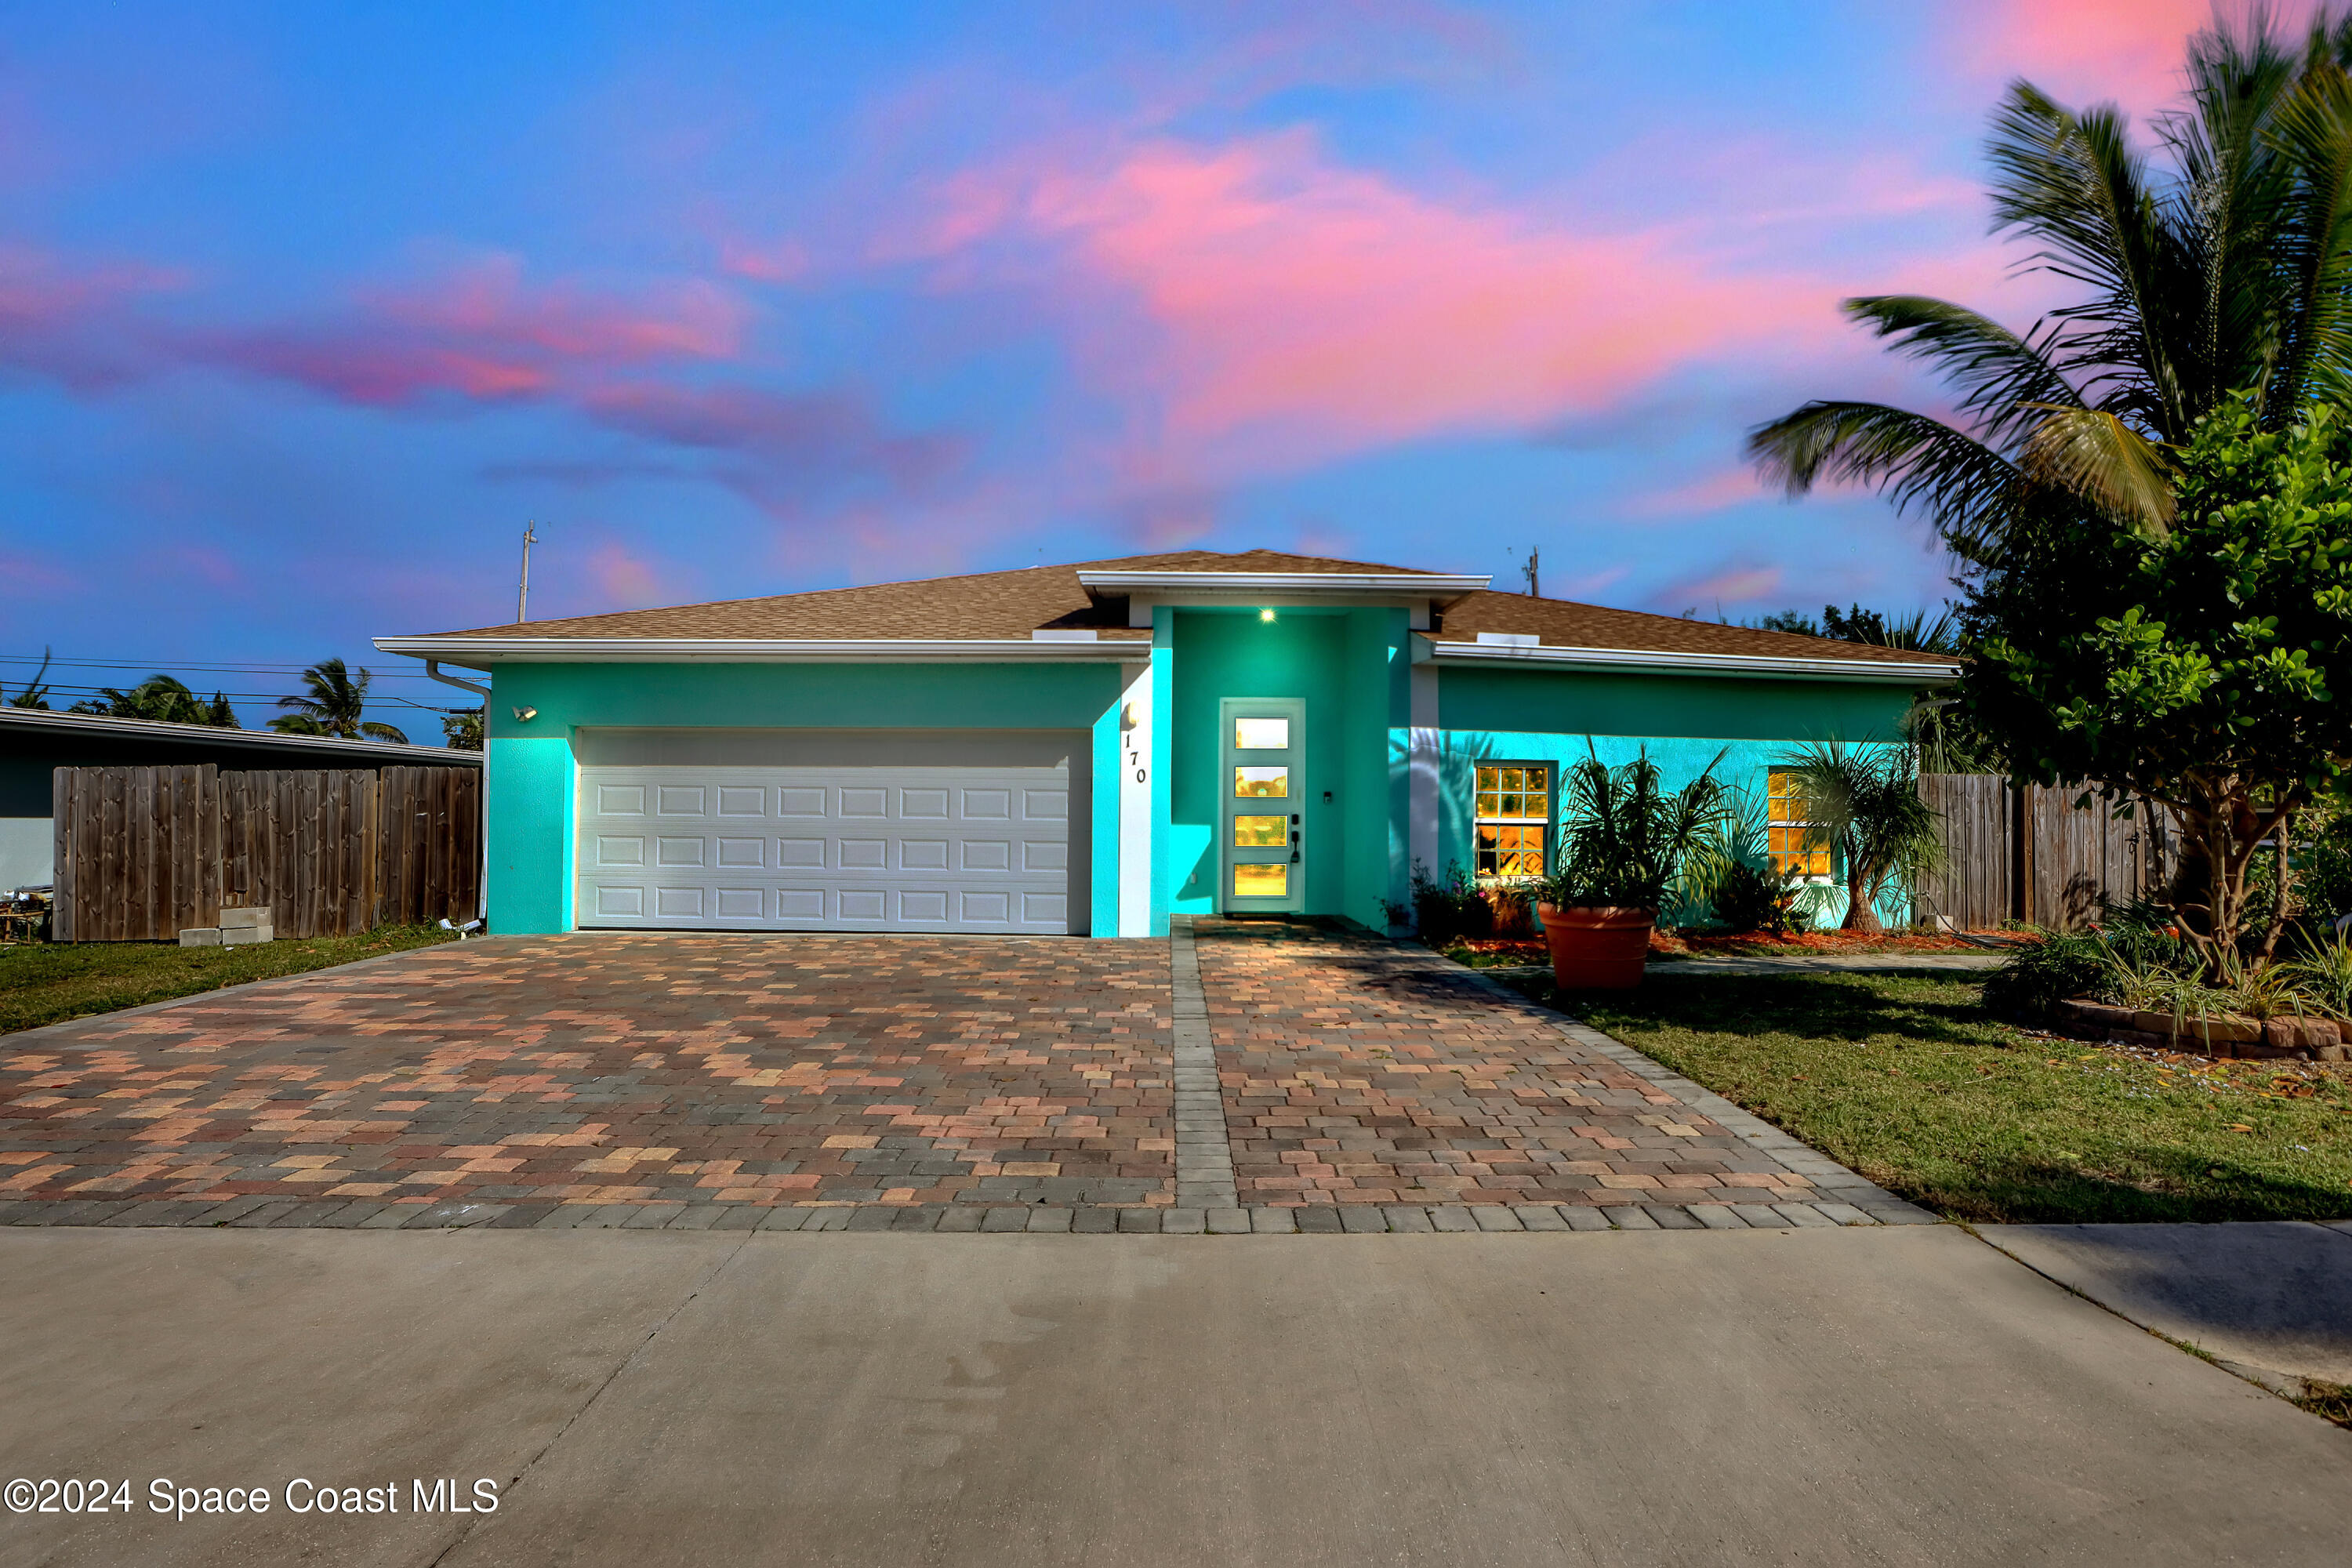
[1904, 1078]
[43, 983]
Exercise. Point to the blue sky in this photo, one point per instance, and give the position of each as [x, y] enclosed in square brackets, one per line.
[305, 312]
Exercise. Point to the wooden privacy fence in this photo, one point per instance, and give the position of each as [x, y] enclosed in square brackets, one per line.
[2026, 853]
[143, 853]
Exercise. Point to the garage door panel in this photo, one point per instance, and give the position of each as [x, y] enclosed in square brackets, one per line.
[929, 849]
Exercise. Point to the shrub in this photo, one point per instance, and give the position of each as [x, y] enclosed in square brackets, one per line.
[2046, 971]
[1452, 909]
[1623, 838]
[1748, 898]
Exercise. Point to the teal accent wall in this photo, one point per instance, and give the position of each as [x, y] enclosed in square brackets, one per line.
[1744, 766]
[1348, 667]
[1579, 703]
[1103, 919]
[528, 818]
[527, 826]
[1379, 697]
[1165, 839]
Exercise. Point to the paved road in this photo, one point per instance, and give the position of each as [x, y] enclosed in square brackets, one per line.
[1884, 1394]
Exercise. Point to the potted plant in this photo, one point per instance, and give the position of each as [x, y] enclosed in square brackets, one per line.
[1623, 838]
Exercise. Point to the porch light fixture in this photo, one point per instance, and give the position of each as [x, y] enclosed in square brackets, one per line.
[525, 715]
[1265, 614]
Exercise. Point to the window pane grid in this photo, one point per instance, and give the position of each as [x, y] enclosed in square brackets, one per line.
[1786, 828]
[1513, 820]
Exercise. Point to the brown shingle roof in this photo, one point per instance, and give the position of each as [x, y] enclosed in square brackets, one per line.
[985, 605]
[1012, 604]
[1563, 623]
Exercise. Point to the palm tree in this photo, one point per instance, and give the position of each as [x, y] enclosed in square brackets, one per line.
[36, 694]
[2228, 269]
[1864, 807]
[159, 698]
[461, 729]
[334, 706]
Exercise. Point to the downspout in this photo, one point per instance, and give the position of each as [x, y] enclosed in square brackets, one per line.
[482, 879]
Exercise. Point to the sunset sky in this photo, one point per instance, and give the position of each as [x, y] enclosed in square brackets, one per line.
[304, 310]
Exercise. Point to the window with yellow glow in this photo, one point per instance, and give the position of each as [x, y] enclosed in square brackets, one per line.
[1271, 880]
[1261, 832]
[1261, 783]
[1513, 820]
[1261, 734]
[1787, 828]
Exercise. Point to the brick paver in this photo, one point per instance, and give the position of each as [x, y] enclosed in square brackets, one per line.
[624, 1070]
[822, 1083]
[1358, 1071]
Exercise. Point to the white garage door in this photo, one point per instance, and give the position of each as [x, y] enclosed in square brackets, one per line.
[825, 848]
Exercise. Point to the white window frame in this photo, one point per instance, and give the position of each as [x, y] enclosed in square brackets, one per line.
[1828, 852]
[1545, 825]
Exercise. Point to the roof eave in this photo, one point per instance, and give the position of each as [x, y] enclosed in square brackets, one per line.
[108, 725]
[484, 653]
[1412, 585]
[1656, 662]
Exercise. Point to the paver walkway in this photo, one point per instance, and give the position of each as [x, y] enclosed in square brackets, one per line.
[887, 1082]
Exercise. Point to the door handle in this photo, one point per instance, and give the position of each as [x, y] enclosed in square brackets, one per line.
[1294, 856]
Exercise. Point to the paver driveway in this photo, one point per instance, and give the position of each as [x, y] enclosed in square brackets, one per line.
[1358, 1071]
[599, 1069]
[857, 1081]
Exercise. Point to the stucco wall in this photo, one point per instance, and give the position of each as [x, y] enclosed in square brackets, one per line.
[1683, 723]
[533, 772]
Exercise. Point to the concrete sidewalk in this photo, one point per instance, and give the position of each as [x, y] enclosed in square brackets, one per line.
[1883, 1394]
[2273, 1299]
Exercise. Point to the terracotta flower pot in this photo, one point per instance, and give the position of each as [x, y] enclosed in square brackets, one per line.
[1597, 949]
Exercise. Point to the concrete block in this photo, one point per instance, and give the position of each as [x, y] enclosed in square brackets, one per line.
[248, 936]
[1626, 1216]
[1183, 1221]
[1580, 1217]
[1494, 1217]
[1540, 1216]
[1229, 1222]
[245, 919]
[1363, 1220]
[200, 936]
[1274, 1221]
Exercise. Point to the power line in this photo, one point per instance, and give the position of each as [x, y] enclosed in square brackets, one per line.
[150, 665]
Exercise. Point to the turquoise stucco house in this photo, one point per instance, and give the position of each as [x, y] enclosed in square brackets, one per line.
[1088, 749]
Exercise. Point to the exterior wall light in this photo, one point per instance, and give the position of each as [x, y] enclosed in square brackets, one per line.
[1265, 614]
[525, 715]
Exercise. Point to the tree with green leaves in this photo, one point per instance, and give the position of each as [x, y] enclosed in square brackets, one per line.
[1862, 804]
[335, 706]
[461, 729]
[2206, 668]
[2222, 268]
[160, 699]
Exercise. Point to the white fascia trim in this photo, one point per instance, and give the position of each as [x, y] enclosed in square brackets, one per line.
[1658, 662]
[1410, 585]
[482, 653]
[212, 734]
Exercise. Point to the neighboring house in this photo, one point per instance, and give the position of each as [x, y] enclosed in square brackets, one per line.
[1092, 748]
[34, 744]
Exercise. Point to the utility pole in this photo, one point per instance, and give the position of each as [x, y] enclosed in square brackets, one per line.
[1529, 571]
[522, 594]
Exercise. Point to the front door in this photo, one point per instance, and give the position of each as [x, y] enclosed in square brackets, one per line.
[1262, 777]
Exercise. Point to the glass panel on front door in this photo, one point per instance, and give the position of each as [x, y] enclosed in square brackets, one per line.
[1261, 783]
[1263, 838]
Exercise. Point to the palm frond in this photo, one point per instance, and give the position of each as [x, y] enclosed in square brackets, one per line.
[1968, 489]
[2074, 184]
[1996, 372]
[2312, 133]
[2089, 453]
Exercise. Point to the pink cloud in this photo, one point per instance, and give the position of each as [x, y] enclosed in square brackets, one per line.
[802, 436]
[2089, 52]
[1710, 492]
[1287, 303]
[623, 580]
[481, 333]
[76, 319]
[781, 262]
[1737, 584]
